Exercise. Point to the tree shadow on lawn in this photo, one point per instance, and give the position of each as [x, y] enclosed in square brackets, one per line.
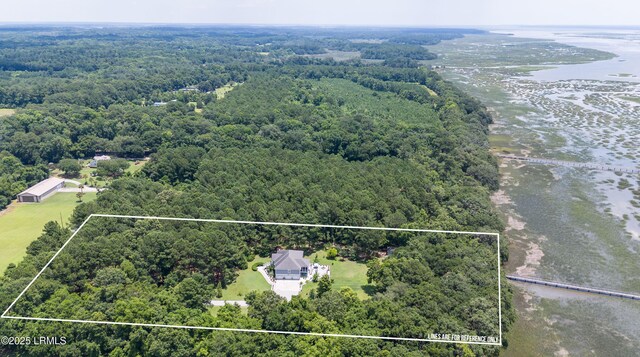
[369, 289]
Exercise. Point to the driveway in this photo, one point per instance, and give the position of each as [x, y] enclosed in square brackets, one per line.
[284, 288]
[265, 275]
[287, 288]
[75, 189]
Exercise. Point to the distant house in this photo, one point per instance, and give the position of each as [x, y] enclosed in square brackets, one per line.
[189, 89]
[159, 104]
[289, 265]
[41, 190]
[94, 163]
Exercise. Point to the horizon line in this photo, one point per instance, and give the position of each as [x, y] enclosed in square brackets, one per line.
[315, 25]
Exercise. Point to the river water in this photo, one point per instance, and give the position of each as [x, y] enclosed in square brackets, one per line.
[565, 224]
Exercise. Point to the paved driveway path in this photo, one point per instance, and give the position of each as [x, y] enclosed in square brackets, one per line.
[265, 275]
[284, 288]
[75, 189]
[287, 288]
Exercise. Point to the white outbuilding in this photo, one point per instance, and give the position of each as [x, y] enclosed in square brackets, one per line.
[41, 190]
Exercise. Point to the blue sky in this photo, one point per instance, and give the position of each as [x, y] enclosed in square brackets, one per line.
[329, 12]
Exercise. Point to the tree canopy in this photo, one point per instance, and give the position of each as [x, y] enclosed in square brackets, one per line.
[378, 141]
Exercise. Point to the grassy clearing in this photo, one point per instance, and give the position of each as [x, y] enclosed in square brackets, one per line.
[195, 107]
[85, 173]
[213, 310]
[7, 112]
[429, 90]
[344, 274]
[222, 91]
[336, 55]
[247, 281]
[135, 168]
[21, 223]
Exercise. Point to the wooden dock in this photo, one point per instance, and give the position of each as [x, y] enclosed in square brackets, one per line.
[574, 287]
[588, 165]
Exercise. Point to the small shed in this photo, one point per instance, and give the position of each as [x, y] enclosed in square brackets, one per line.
[41, 190]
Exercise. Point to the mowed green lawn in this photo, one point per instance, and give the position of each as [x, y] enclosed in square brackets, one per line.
[344, 274]
[22, 223]
[222, 91]
[85, 173]
[247, 281]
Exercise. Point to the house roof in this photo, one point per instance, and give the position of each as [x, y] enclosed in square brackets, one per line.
[289, 259]
[42, 187]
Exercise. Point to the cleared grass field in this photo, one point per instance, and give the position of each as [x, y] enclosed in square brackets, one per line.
[22, 223]
[247, 281]
[85, 173]
[336, 55]
[222, 91]
[344, 274]
[7, 112]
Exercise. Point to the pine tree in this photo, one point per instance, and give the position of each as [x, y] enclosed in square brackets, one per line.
[219, 290]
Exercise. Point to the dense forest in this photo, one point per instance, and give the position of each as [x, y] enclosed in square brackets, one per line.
[377, 140]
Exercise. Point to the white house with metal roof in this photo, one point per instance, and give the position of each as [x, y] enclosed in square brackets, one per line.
[289, 265]
[41, 190]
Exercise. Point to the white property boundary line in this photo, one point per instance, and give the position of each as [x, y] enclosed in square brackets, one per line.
[497, 235]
